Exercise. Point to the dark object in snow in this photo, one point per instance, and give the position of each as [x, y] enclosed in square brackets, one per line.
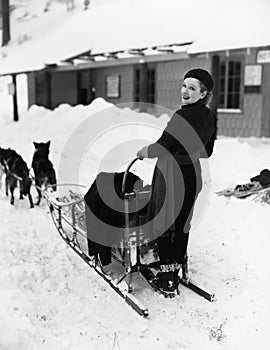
[16, 170]
[180, 277]
[263, 178]
[164, 282]
[86, 4]
[257, 184]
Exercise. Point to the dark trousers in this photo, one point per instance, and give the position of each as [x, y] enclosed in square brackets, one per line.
[172, 245]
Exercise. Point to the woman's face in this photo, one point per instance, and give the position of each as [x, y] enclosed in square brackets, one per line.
[191, 91]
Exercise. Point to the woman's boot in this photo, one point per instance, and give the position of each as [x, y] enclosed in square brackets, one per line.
[166, 280]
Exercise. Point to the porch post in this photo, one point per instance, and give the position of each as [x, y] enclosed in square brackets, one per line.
[14, 96]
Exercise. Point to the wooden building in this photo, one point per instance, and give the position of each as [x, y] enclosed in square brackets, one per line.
[106, 53]
[153, 75]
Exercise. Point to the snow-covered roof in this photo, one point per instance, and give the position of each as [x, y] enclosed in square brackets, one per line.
[126, 24]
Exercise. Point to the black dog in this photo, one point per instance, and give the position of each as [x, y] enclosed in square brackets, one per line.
[43, 168]
[16, 171]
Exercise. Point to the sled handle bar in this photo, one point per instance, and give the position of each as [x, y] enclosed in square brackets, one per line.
[126, 173]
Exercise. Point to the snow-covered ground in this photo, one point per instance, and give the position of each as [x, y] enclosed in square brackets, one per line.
[50, 299]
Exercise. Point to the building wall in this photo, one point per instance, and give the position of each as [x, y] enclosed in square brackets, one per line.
[265, 126]
[64, 88]
[126, 83]
[252, 119]
[42, 89]
[31, 89]
[86, 86]
[168, 81]
[247, 121]
[50, 89]
[170, 77]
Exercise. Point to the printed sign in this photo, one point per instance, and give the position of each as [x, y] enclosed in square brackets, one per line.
[253, 75]
[263, 56]
[11, 89]
[113, 86]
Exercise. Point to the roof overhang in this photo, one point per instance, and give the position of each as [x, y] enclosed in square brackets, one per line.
[89, 59]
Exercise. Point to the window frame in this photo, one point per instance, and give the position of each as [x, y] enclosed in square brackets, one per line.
[225, 106]
[151, 88]
[137, 80]
[151, 84]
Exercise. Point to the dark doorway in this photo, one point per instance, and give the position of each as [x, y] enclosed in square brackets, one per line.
[82, 96]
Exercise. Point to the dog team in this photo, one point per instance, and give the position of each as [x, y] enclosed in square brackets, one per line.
[17, 173]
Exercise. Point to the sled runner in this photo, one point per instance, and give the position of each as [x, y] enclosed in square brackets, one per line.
[67, 208]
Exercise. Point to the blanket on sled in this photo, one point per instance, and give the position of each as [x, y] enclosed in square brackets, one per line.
[104, 212]
[257, 183]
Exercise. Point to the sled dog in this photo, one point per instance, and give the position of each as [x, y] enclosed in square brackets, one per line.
[43, 168]
[16, 171]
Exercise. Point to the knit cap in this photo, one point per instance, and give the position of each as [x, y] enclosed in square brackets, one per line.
[203, 76]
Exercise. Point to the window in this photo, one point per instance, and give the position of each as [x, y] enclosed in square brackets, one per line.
[137, 84]
[229, 89]
[151, 80]
[150, 89]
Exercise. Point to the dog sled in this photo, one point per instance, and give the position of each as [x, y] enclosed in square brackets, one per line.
[68, 211]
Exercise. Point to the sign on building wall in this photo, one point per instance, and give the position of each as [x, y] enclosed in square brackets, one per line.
[113, 86]
[253, 75]
[11, 89]
[253, 78]
[263, 56]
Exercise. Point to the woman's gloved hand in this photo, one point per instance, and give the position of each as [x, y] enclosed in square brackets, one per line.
[142, 153]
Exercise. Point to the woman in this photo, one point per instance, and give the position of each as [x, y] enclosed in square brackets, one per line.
[189, 136]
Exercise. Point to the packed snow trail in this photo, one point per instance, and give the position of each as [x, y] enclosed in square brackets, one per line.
[49, 296]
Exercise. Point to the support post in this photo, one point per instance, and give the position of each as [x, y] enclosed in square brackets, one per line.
[14, 96]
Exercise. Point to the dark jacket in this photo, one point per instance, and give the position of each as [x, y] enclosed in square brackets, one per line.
[263, 178]
[190, 134]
